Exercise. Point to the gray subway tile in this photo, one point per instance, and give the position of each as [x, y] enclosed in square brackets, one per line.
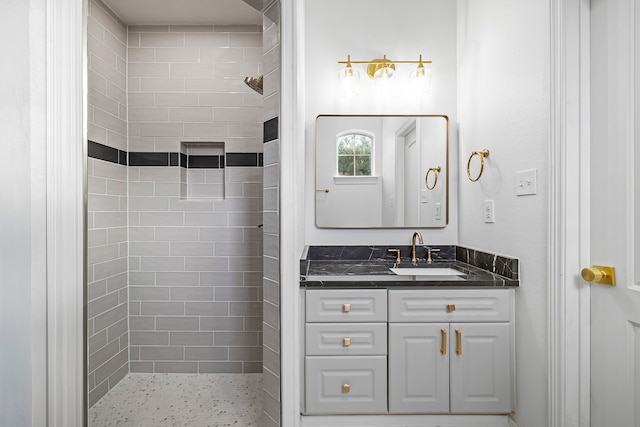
[149, 249]
[141, 234]
[253, 324]
[248, 249]
[162, 308]
[161, 353]
[118, 329]
[192, 294]
[162, 264]
[206, 264]
[220, 367]
[141, 367]
[221, 234]
[177, 323]
[209, 218]
[271, 383]
[112, 365]
[110, 317]
[245, 264]
[191, 338]
[222, 278]
[176, 234]
[191, 249]
[149, 293]
[252, 367]
[271, 337]
[253, 309]
[142, 323]
[235, 293]
[235, 338]
[207, 308]
[97, 341]
[103, 355]
[149, 338]
[177, 278]
[110, 268]
[245, 354]
[96, 289]
[161, 218]
[142, 278]
[271, 314]
[176, 367]
[221, 324]
[206, 353]
[117, 282]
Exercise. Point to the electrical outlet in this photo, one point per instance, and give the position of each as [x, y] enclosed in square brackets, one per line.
[424, 196]
[438, 210]
[488, 211]
[526, 182]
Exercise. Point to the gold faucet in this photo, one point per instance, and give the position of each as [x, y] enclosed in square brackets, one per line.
[417, 234]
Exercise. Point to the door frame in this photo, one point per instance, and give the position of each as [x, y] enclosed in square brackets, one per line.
[568, 316]
[569, 221]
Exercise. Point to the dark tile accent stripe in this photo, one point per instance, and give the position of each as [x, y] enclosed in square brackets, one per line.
[148, 159]
[241, 159]
[203, 162]
[270, 130]
[99, 151]
[143, 158]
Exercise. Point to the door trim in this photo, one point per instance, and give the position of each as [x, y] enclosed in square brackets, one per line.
[65, 146]
[569, 299]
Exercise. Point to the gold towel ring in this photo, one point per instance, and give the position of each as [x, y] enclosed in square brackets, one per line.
[482, 154]
[435, 171]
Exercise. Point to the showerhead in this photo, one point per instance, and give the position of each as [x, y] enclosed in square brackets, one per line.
[254, 83]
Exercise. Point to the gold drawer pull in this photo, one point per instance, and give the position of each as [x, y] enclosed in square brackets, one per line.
[346, 308]
[458, 341]
[346, 342]
[346, 388]
[443, 347]
[451, 307]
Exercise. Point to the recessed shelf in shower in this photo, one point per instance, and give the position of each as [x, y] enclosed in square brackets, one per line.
[202, 170]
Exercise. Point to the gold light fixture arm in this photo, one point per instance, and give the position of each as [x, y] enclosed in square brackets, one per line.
[376, 64]
[481, 154]
[436, 172]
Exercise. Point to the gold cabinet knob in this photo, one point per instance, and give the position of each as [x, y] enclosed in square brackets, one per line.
[346, 342]
[451, 307]
[346, 308]
[602, 274]
[346, 388]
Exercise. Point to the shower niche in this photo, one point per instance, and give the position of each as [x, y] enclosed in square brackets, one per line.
[202, 170]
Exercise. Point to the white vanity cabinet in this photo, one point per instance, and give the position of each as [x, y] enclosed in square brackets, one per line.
[346, 351]
[450, 351]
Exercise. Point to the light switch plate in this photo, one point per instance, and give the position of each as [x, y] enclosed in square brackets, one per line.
[424, 196]
[526, 182]
[438, 211]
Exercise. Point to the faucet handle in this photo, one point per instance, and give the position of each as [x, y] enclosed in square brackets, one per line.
[397, 252]
[430, 250]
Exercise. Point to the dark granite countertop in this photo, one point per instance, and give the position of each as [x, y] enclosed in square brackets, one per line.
[339, 267]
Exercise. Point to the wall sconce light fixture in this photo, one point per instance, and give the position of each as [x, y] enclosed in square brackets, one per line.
[383, 68]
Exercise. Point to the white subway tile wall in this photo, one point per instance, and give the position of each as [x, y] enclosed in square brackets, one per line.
[107, 254]
[195, 265]
[271, 209]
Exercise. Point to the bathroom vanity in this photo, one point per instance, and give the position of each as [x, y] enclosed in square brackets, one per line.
[432, 338]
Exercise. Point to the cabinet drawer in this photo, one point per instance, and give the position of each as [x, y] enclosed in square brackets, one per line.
[443, 305]
[346, 339]
[346, 385]
[346, 305]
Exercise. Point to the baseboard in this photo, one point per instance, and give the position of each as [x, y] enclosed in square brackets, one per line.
[408, 421]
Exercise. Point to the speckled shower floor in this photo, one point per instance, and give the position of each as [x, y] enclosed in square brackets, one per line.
[180, 400]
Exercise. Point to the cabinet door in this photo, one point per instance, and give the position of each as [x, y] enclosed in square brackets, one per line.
[481, 368]
[418, 368]
[346, 384]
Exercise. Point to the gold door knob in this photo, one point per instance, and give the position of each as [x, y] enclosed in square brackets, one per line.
[602, 274]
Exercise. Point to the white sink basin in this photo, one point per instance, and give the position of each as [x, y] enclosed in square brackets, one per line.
[417, 271]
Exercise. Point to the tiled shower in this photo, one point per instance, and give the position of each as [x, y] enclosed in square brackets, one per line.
[175, 204]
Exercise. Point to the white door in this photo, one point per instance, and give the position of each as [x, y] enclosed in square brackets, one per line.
[615, 212]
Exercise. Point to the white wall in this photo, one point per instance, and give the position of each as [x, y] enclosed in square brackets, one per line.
[402, 30]
[22, 292]
[503, 105]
